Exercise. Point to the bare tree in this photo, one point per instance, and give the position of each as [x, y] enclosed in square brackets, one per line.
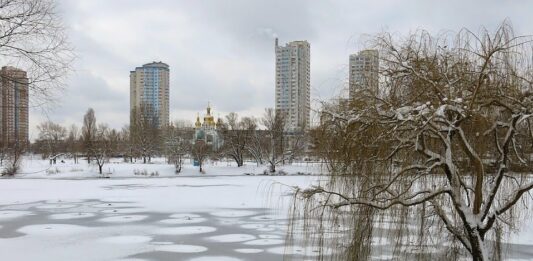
[200, 152]
[127, 147]
[88, 133]
[447, 143]
[33, 37]
[73, 142]
[182, 124]
[236, 138]
[275, 131]
[257, 140]
[52, 136]
[104, 145]
[11, 161]
[177, 145]
[144, 134]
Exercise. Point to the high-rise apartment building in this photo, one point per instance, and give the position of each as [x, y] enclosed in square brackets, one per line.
[364, 72]
[149, 93]
[14, 107]
[293, 81]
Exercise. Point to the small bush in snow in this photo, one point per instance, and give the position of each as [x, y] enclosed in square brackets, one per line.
[10, 170]
[52, 171]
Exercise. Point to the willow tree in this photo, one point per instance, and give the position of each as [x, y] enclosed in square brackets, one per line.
[439, 158]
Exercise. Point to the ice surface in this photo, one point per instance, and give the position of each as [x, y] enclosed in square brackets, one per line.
[229, 238]
[74, 215]
[10, 214]
[190, 230]
[235, 213]
[53, 229]
[126, 239]
[225, 200]
[56, 206]
[188, 220]
[215, 258]
[185, 215]
[269, 217]
[123, 210]
[249, 250]
[123, 218]
[253, 226]
[270, 236]
[264, 242]
[181, 248]
[294, 250]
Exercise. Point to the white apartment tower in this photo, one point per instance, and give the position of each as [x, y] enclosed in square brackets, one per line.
[364, 72]
[149, 93]
[293, 80]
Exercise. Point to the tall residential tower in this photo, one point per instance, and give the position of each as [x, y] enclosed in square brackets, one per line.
[293, 80]
[149, 93]
[13, 107]
[364, 72]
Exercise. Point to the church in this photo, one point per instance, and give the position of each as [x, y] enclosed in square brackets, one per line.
[207, 130]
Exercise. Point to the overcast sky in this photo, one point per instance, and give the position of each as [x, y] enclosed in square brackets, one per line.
[223, 51]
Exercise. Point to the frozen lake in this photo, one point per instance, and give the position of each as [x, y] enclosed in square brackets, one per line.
[192, 217]
[182, 218]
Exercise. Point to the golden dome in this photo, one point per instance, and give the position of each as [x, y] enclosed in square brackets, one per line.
[209, 120]
[198, 124]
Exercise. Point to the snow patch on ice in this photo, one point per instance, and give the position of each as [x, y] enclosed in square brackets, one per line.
[234, 213]
[115, 205]
[231, 238]
[181, 248]
[52, 229]
[9, 214]
[161, 243]
[126, 239]
[123, 210]
[190, 230]
[178, 221]
[270, 236]
[268, 217]
[249, 250]
[74, 215]
[217, 258]
[184, 215]
[56, 206]
[131, 259]
[266, 229]
[123, 218]
[252, 226]
[69, 201]
[264, 242]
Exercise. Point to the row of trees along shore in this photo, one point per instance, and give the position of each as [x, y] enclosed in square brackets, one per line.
[440, 156]
[242, 140]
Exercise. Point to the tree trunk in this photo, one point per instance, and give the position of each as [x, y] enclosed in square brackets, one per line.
[144, 159]
[479, 251]
[100, 168]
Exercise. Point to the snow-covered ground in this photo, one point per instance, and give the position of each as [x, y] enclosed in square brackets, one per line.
[68, 212]
[37, 168]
